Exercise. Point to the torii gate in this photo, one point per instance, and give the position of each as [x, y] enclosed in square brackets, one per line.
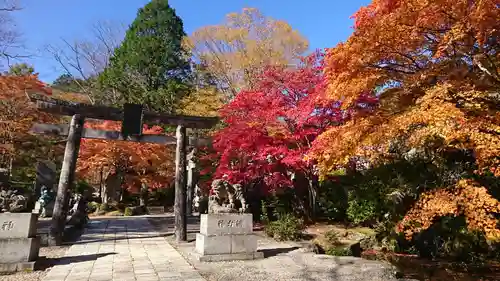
[133, 115]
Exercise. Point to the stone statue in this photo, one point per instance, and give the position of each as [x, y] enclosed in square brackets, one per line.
[11, 201]
[46, 202]
[75, 202]
[78, 212]
[223, 196]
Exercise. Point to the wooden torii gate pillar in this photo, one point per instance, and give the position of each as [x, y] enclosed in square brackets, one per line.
[76, 131]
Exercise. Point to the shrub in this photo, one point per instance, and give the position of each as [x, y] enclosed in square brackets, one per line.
[332, 237]
[82, 186]
[104, 207]
[93, 207]
[360, 211]
[287, 227]
[332, 201]
[450, 238]
[339, 251]
[128, 212]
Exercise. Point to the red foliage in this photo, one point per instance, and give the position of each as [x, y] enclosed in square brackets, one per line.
[270, 128]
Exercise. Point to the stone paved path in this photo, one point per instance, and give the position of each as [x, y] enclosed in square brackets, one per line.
[122, 249]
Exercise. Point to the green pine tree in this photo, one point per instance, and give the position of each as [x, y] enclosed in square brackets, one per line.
[150, 67]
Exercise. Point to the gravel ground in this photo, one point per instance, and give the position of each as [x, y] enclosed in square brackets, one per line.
[283, 261]
[48, 257]
[289, 261]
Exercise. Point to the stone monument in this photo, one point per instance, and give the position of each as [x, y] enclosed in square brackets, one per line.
[226, 232]
[45, 177]
[19, 245]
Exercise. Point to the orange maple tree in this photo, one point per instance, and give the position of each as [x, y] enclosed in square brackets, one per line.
[139, 163]
[17, 114]
[434, 66]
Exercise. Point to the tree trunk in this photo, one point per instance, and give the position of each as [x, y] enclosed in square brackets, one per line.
[180, 186]
[66, 180]
[144, 195]
[191, 182]
[312, 197]
[100, 185]
[104, 198]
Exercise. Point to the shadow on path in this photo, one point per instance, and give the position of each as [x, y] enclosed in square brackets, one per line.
[271, 252]
[43, 263]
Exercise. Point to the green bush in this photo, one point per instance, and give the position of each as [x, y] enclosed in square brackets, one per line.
[93, 207]
[104, 207]
[449, 238]
[82, 186]
[332, 237]
[360, 211]
[286, 228]
[339, 251]
[128, 212]
[332, 201]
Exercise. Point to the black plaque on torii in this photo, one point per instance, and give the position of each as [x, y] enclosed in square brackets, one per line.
[132, 120]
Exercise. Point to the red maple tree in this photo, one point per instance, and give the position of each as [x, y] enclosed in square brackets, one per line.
[270, 128]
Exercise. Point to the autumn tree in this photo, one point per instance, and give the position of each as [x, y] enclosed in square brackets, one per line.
[150, 67]
[18, 148]
[268, 131]
[235, 51]
[201, 102]
[434, 65]
[125, 164]
[204, 99]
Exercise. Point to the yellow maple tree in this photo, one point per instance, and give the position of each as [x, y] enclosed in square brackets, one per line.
[202, 102]
[235, 51]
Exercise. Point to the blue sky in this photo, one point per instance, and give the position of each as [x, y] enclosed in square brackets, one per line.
[42, 22]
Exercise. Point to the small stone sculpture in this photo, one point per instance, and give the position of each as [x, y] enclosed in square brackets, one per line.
[11, 201]
[223, 196]
[46, 201]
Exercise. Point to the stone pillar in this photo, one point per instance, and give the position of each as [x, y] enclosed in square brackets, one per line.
[19, 245]
[180, 185]
[66, 179]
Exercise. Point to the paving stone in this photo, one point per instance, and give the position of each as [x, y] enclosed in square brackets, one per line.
[169, 274]
[130, 252]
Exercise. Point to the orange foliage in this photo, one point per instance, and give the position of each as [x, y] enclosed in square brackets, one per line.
[434, 66]
[438, 63]
[466, 198]
[17, 114]
[147, 163]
